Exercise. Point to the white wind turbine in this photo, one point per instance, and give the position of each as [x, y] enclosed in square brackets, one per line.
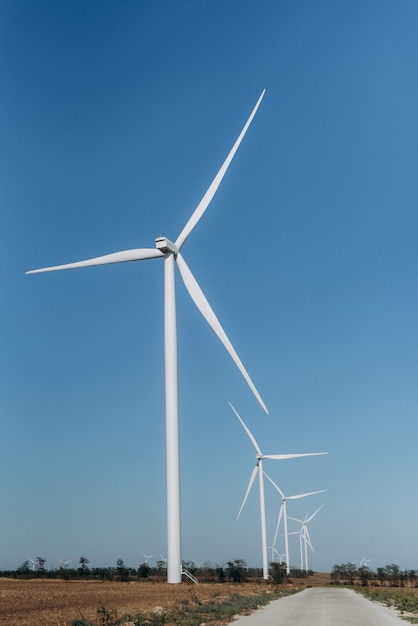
[170, 252]
[258, 469]
[34, 564]
[283, 514]
[64, 564]
[147, 556]
[304, 537]
[275, 553]
[300, 533]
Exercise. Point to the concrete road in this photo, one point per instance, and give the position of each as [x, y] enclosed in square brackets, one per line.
[322, 606]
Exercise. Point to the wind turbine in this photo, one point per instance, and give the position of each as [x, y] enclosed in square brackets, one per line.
[283, 514]
[304, 537]
[300, 533]
[34, 564]
[170, 252]
[64, 564]
[163, 558]
[275, 553]
[258, 469]
[364, 562]
[147, 556]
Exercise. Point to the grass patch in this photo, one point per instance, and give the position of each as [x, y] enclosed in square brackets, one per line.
[402, 599]
[191, 612]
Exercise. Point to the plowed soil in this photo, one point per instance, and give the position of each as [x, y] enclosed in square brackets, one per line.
[59, 602]
[43, 602]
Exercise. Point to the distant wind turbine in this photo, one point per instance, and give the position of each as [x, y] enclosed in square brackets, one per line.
[364, 562]
[147, 556]
[275, 553]
[64, 564]
[34, 564]
[299, 533]
[283, 514]
[170, 252]
[259, 470]
[304, 537]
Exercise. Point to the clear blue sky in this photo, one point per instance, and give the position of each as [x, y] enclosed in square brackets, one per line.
[115, 117]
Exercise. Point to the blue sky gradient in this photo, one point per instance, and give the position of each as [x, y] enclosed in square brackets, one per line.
[115, 118]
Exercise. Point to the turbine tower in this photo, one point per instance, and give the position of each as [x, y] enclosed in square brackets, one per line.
[283, 514]
[170, 252]
[258, 469]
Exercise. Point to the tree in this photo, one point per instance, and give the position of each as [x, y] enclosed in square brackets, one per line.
[336, 574]
[365, 575]
[40, 565]
[236, 570]
[278, 572]
[144, 570]
[381, 575]
[393, 573]
[220, 573]
[190, 566]
[345, 573]
[24, 568]
[123, 572]
[84, 565]
[350, 573]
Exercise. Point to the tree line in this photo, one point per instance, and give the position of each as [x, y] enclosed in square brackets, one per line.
[389, 576]
[234, 571]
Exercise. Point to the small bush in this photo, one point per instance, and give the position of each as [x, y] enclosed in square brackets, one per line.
[105, 615]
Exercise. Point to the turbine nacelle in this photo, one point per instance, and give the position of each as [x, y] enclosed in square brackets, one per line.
[166, 246]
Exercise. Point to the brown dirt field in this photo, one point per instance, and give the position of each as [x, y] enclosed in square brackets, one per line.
[317, 580]
[59, 602]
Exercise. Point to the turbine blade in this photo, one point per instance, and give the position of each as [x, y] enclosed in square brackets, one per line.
[277, 488]
[116, 257]
[303, 495]
[279, 519]
[204, 203]
[247, 430]
[291, 456]
[313, 514]
[250, 484]
[308, 539]
[204, 307]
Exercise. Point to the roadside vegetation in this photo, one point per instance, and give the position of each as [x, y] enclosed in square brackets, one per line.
[221, 610]
[404, 600]
[388, 585]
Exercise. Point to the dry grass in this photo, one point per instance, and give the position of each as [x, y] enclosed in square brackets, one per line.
[58, 603]
[43, 602]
